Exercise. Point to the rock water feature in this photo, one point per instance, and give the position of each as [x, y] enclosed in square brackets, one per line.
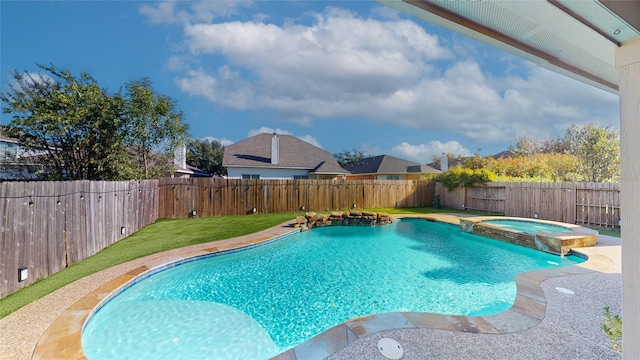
[337, 218]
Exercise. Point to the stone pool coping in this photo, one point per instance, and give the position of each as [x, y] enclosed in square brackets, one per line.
[558, 243]
[60, 316]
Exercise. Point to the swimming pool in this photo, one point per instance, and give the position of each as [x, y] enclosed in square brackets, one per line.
[528, 226]
[259, 302]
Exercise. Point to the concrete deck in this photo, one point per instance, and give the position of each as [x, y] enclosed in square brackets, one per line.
[544, 323]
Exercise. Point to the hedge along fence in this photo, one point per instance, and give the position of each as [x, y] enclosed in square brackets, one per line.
[179, 198]
[590, 204]
[47, 226]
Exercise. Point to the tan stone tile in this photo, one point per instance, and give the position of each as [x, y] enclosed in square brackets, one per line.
[511, 321]
[530, 307]
[62, 340]
[574, 270]
[64, 348]
[323, 344]
[472, 324]
[429, 320]
[598, 262]
[379, 322]
[287, 355]
[92, 299]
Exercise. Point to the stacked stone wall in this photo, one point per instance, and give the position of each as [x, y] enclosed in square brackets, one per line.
[337, 218]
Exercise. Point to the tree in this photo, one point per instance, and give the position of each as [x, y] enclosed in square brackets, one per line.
[588, 153]
[206, 155]
[76, 130]
[526, 146]
[348, 156]
[154, 128]
[598, 151]
[66, 123]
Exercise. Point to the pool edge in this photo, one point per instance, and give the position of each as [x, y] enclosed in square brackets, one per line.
[62, 339]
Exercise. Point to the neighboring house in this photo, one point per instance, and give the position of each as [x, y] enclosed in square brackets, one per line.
[14, 162]
[274, 156]
[386, 167]
[180, 167]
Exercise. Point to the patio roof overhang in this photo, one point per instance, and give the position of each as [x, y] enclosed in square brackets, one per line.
[575, 38]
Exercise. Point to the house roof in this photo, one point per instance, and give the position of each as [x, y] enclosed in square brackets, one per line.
[575, 38]
[387, 164]
[293, 153]
[190, 170]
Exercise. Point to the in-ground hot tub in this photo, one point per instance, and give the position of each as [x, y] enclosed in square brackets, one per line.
[549, 236]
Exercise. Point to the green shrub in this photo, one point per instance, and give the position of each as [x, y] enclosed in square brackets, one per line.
[612, 326]
[458, 176]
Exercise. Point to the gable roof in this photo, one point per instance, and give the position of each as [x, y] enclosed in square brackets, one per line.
[293, 153]
[387, 164]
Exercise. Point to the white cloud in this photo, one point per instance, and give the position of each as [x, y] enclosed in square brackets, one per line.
[424, 153]
[164, 13]
[308, 138]
[328, 69]
[227, 88]
[389, 70]
[182, 12]
[222, 141]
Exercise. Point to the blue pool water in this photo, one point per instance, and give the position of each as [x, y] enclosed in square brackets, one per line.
[256, 303]
[527, 226]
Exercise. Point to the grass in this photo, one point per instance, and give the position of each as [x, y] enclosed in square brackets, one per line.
[162, 235]
[609, 232]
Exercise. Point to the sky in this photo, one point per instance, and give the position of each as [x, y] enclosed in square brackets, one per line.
[345, 75]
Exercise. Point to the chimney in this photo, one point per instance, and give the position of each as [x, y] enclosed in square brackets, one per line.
[444, 162]
[275, 149]
[180, 156]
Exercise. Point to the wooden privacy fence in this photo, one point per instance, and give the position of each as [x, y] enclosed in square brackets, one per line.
[47, 226]
[178, 198]
[591, 204]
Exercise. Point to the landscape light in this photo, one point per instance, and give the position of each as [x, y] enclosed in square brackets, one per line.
[123, 230]
[23, 274]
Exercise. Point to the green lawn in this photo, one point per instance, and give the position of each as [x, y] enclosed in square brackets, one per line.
[164, 234]
[609, 232]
